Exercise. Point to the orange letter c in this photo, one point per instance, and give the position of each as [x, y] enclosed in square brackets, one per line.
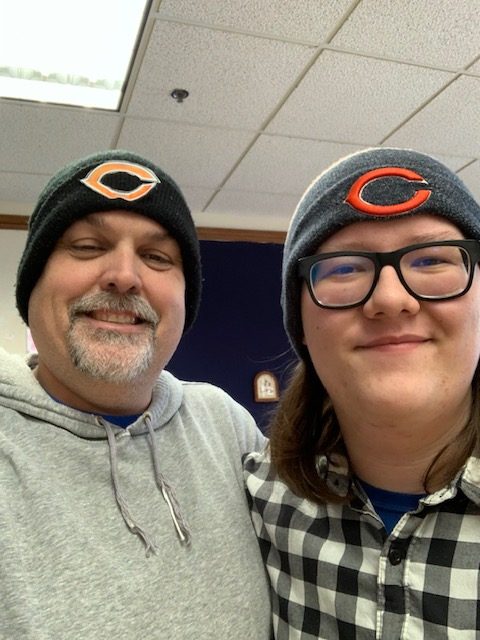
[94, 180]
[355, 199]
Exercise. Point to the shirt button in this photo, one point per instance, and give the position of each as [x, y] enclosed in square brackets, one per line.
[395, 555]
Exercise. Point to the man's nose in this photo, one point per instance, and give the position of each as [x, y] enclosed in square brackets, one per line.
[121, 272]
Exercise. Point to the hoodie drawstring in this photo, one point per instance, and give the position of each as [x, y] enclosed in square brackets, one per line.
[179, 521]
[181, 525]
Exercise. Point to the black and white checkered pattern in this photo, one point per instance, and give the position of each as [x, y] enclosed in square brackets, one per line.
[335, 574]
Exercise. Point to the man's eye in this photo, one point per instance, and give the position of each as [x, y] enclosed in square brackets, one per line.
[86, 248]
[157, 260]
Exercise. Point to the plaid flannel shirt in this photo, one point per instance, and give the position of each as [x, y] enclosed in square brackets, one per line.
[336, 574]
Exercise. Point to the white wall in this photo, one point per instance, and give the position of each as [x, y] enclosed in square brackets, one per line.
[12, 327]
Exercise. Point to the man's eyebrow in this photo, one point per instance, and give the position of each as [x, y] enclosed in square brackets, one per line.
[101, 222]
[159, 236]
[95, 219]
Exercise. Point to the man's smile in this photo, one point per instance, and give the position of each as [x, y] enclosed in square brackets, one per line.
[115, 317]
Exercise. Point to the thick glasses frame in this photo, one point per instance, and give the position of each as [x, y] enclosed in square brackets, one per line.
[390, 258]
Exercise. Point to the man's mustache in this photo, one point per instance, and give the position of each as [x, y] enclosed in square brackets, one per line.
[104, 301]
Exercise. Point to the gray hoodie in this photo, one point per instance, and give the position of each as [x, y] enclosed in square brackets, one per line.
[111, 533]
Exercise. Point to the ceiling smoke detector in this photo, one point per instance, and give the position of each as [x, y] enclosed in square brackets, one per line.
[179, 94]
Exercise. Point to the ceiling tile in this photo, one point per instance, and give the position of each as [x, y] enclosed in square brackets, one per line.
[454, 163]
[309, 20]
[233, 80]
[277, 164]
[438, 33]
[41, 139]
[19, 192]
[475, 68]
[450, 124]
[355, 99]
[237, 209]
[194, 156]
[197, 197]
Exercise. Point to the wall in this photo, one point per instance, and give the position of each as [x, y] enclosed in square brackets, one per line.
[12, 328]
[239, 330]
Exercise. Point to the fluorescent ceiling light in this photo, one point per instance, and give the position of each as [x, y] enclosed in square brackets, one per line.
[66, 52]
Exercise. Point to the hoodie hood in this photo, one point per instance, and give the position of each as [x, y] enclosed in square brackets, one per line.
[20, 391]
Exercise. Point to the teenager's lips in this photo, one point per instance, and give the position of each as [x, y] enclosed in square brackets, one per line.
[394, 342]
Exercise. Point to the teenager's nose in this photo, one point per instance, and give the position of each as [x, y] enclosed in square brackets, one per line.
[390, 298]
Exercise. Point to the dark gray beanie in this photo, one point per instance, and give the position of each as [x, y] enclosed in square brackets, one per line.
[374, 184]
[108, 180]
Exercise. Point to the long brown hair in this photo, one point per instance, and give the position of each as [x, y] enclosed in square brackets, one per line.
[305, 427]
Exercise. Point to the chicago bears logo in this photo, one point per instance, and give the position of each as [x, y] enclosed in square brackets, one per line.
[146, 176]
[356, 200]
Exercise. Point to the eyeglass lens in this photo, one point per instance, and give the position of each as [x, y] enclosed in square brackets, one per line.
[433, 272]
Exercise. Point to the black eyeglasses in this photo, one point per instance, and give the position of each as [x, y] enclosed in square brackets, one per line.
[429, 271]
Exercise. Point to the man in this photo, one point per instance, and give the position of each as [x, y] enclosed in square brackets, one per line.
[122, 510]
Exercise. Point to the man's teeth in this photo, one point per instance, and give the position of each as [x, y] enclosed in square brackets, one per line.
[110, 316]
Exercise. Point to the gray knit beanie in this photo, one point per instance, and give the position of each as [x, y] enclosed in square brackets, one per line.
[374, 184]
[105, 181]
